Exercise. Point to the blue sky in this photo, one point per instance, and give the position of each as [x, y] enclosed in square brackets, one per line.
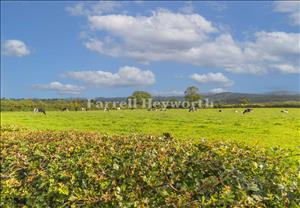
[90, 49]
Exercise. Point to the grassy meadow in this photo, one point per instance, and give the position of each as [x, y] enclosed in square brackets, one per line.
[126, 158]
[264, 126]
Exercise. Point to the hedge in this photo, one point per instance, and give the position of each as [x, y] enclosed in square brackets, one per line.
[85, 169]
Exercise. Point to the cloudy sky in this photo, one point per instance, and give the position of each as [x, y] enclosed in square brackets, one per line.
[89, 49]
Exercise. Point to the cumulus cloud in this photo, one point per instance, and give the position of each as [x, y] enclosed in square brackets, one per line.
[285, 68]
[163, 27]
[192, 39]
[214, 78]
[14, 48]
[92, 8]
[126, 76]
[292, 8]
[107, 46]
[217, 90]
[60, 88]
[269, 51]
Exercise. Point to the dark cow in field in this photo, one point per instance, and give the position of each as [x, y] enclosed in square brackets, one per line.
[39, 110]
[65, 109]
[248, 110]
[152, 109]
[220, 110]
[192, 109]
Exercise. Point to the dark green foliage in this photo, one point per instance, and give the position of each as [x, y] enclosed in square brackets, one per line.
[72, 169]
[292, 104]
[244, 101]
[47, 104]
[235, 98]
[191, 94]
[57, 104]
[140, 96]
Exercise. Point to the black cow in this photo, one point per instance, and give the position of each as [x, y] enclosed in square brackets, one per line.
[248, 110]
[152, 109]
[39, 110]
[192, 109]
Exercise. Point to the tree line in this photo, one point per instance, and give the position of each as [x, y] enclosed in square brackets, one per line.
[191, 94]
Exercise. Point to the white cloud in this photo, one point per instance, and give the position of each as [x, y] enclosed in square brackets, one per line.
[268, 52]
[292, 8]
[93, 8]
[163, 27]
[190, 38]
[217, 90]
[214, 78]
[14, 48]
[125, 77]
[60, 88]
[285, 68]
[107, 46]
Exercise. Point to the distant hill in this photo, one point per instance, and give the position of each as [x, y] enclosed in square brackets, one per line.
[112, 99]
[226, 97]
[234, 98]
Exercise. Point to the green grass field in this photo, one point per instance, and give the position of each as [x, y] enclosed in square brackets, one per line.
[86, 168]
[265, 127]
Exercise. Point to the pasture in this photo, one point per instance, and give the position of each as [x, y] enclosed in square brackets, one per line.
[125, 158]
[266, 127]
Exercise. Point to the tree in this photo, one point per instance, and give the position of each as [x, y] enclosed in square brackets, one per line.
[191, 94]
[244, 101]
[140, 96]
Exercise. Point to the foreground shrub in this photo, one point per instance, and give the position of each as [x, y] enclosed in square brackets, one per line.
[73, 169]
[9, 127]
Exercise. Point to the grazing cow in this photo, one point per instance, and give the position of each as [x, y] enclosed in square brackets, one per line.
[220, 110]
[83, 109]
[65, 109]
[248, 110]
[152, 109]
[106, 109]
[284, 111]
[39, 110]
[236, 111]
[192, 109]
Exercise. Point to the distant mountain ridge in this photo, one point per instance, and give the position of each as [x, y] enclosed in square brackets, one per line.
[226, 97]
[233, 98]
